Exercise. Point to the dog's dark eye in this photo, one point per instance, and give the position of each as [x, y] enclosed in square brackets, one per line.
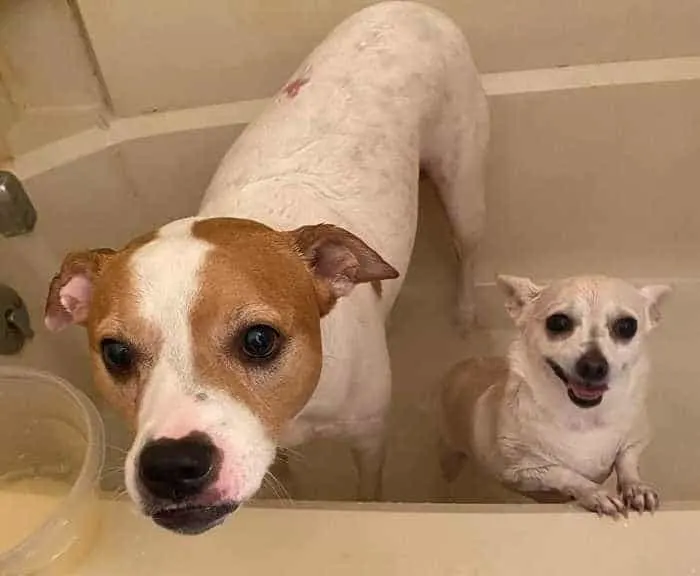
[624, 328]
[260, 342]
[117, 356]
[559, 324]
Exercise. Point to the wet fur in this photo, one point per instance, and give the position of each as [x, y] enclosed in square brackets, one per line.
[516, 419]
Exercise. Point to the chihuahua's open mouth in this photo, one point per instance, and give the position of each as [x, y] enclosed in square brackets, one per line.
[583, 394]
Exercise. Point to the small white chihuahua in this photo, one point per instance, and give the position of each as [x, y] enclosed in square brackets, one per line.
[569, 404]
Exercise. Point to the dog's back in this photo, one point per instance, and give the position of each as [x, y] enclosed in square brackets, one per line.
[392, 88]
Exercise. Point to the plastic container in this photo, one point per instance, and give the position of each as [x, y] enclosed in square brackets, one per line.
[51, 457]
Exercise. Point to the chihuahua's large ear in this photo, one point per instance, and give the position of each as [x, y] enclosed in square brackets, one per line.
[654, 294]
[519, 292]
[338, 260]
[70, 291]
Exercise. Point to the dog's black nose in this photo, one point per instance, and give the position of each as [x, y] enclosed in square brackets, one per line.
[173, 470]
[592, 366]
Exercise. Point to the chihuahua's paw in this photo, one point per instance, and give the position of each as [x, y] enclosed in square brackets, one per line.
[639, 496]
[602, 503]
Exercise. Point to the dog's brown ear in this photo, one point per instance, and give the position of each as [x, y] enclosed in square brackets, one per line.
[519, 292]
[70, 291]
[338, 260]
[654, 295]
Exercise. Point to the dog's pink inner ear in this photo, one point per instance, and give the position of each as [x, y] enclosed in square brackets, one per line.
[70, 305]
[339, 259]
[70, 292]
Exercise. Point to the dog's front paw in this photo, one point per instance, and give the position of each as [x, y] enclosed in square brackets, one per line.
[602, 503]
[639, 496]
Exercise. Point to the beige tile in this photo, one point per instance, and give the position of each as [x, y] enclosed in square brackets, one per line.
[36, 128]
[594, 180]
[88, 203]
[42, 57]
[171, 172]
[154, 57]
[48, 89]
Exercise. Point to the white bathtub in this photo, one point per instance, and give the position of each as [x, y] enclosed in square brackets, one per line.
[103, 186]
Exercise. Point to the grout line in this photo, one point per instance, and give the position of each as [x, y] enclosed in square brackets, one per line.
[587, 76]
[118, 130]
[90, 51]
[673, 281]
[242, 112]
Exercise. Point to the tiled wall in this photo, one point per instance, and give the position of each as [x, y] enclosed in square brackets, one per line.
[179, 53]
[46, 72]
[160, 55]
[624, 150]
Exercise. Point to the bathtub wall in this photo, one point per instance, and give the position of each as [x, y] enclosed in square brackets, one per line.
[65, 64]
[156, 57]
[614, 163]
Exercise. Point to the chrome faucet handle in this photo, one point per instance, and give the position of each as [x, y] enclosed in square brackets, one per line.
[15, 326]
[17, 213]
[18, 318]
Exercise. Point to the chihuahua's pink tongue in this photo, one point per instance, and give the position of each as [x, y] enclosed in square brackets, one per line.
[586, 393]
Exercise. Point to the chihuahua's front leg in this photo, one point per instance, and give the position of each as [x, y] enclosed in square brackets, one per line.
[552, 477]
[635, 493]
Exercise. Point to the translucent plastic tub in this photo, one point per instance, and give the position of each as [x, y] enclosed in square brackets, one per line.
[51, 457]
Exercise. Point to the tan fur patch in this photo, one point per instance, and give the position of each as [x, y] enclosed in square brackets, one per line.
[114, 314]
[254, 276]
[461, 389]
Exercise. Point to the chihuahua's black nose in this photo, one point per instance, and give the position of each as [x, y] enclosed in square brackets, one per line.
[173, 470]
[592, 366]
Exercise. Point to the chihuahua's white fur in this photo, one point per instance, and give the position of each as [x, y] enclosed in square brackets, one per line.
[524, 429]
[393, 88]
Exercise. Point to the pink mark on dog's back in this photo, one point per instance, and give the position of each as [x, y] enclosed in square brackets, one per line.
[292, 89]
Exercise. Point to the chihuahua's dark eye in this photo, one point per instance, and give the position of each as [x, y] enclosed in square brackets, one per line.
[624, 328]
[117, 356]
[260, 342]
[559, 324]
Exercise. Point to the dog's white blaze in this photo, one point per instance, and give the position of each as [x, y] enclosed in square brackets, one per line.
[166, 272]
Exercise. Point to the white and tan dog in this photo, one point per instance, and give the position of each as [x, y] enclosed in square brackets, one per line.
[222, 337]
[568, 407]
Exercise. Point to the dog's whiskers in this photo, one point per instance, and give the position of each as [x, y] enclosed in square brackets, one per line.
[118, 494]
[113, 470]
[291, 454]
[116, 448]
[280, 491]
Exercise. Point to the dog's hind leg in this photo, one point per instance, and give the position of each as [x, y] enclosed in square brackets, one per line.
[455, 163]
